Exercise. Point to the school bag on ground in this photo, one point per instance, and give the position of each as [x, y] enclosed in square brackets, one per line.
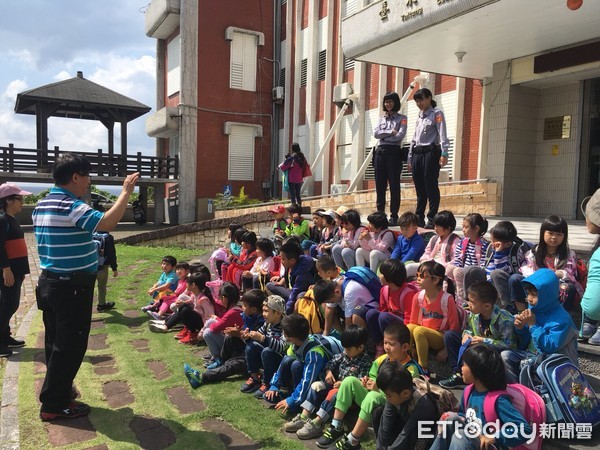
[366, 277]
[526, 401]
[462, 314]
[567, 394]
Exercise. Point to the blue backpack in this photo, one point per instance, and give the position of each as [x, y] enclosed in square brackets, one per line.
[568, 396]
[331, 345]
[364, 276]
[100, 241]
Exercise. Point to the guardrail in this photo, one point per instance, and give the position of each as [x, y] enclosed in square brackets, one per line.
[103, 164]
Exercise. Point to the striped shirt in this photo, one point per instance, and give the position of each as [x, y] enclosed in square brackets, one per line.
[468, 256]
[63, 227]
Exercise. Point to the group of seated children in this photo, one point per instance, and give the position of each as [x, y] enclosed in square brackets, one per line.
[486, 307]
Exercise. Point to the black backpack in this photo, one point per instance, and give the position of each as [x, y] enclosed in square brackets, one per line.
[519, 243]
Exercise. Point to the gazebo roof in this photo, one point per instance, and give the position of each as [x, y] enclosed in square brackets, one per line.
[78, 98]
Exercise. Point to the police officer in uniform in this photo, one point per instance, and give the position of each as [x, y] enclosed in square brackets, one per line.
[428, 153]
[387, 160]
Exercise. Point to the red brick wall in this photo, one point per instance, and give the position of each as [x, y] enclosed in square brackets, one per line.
[372, 82]
[302, 100]
[323, 6]
[214, 93]
[391, 79]
[304, 13]
[471, 129]
[320, 100]
[444, 83]
[409, 76]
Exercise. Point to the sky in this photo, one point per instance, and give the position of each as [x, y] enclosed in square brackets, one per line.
[42, 42]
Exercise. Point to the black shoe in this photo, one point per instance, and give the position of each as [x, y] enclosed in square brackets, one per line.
[75, 409]
[5, 352]
[331, 435]
[430, 225]
[455, 381]
[14, 343]
[393, 221]
[344, 444]
[105, 307]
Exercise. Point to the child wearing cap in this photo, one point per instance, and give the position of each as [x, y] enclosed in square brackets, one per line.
[265, 348]
[14, 262]
[590, 303]
[329, 235]
[298, 225]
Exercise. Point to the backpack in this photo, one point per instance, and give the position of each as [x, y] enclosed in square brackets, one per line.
[309, 308]
[462, 314]
[568, 396]
[306, 172]
[408, 288]
[396, 234]
[582, 273]
[215, 287]
[526, 401]
[100, 241]
[366, 277]
[448, 255]
[443, 399]
[524, 246]
[330, 345]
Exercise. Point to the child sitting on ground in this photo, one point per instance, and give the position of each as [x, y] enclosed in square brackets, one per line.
[410, 245]
[231, 359]
[220, 255]
[376, 242]
[298, 225]
[469, 253]
[262, 267]
[354, 361]
[232, 272]
[305, 356]
[182, 271]
[442, 246]
[484, 369]
[279, 225]
[166, 284]
[344, 252]
[395, 303]
[195, 313]
[487, 324]
[329, 235]
[365, 393]
[546, 323]
[433, 312]
[406, 411]
[265, 348]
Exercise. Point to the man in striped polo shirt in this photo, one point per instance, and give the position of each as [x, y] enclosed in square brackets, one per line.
[63, 226]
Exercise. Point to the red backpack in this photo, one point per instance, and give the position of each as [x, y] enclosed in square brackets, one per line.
[462, 314]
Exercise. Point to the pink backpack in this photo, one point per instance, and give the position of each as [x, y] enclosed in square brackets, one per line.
[527, 402]
[462, 314]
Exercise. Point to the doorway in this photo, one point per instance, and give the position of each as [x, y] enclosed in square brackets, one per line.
[590, 142]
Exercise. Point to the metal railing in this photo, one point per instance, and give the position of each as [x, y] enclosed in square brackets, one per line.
[103, 164]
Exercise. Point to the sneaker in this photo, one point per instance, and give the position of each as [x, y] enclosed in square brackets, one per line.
[261, 391]
[295, 424]
[74, 394]
[208, 357]
[331, 435]
[310, 430]
[344, 444]
[158, 327]
[251, 385]
[154, 315]
[5, 352]
[430, 225]
[191, 338]
[183, 333]
[215, 364]
[455, 381]
[146, 308]
[595, 339]
[393, 221]
[75, 409]
[193, 376]
[587, 331]
[15, 343]
[105, 307]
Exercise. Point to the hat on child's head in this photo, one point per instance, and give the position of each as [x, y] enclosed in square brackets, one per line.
[590, 206]
[8, 189]
[306, 244]
[276, 303]
[341, 210]
[277, 209]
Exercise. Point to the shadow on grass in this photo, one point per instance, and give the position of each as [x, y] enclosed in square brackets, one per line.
[150, 433]
[115, 317]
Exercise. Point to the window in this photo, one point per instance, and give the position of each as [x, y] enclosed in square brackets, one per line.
[349, 7]
[241, 150]
[243, 57]
[282, 77]
[303, 72]
[348, 64]
[322, 68]
[174, 66]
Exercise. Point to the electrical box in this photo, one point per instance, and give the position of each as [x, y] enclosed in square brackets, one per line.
[336, 189]
[278, 94]
[341, 92]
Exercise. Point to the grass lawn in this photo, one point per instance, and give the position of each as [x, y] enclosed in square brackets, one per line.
[139, 269]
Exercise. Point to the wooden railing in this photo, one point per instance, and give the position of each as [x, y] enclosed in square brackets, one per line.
[103, 164]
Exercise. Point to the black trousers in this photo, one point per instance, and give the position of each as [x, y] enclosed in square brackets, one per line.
[66, 305]
[10, 297]
[190, 318]
[295, 193]
[425, 173]
[387, 162]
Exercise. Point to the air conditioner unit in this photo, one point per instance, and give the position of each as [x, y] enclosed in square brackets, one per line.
[341, 92]
[337, 189]
[278, 94]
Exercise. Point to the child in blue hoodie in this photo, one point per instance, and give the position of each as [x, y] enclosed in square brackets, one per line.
[545, 327]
